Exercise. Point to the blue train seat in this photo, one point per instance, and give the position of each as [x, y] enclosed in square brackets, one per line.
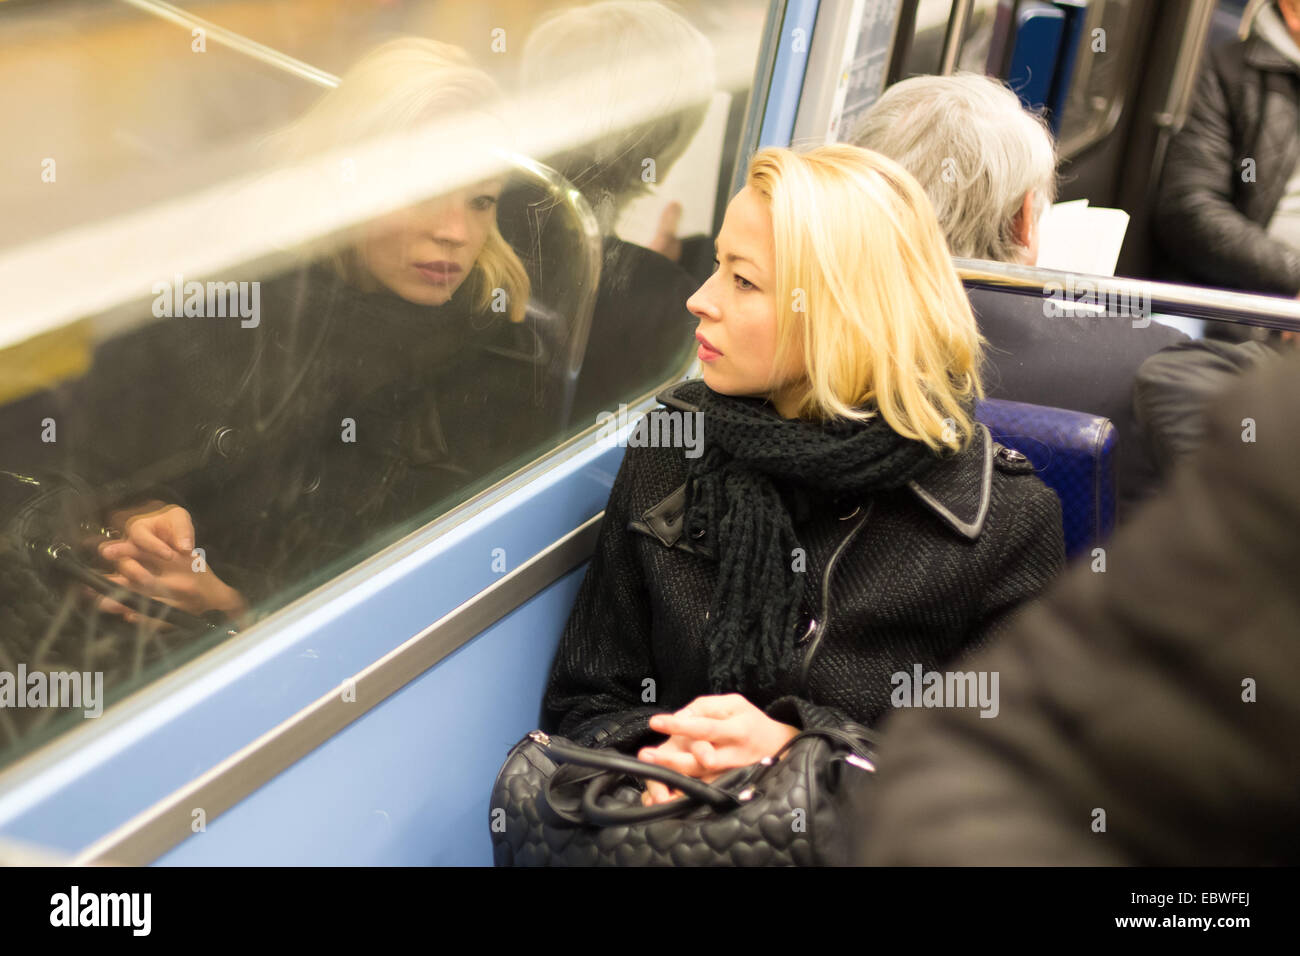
[1073, 453]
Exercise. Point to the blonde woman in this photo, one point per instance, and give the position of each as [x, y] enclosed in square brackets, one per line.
[372, 388]
[846, 521]
[423, 253]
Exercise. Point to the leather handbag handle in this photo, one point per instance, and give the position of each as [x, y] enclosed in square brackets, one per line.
[596, 815]
[619, 763]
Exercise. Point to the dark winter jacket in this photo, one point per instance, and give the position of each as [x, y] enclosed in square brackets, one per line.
[641, 333]
[1164, 692]
[438, 399]
[1227, 169]
[337, 424]
[916, 576]
[1178, 386]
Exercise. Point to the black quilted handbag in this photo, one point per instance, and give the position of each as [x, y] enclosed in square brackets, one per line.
[555, 803]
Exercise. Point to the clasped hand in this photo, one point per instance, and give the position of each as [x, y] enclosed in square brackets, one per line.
[710, 736]
[155, 557]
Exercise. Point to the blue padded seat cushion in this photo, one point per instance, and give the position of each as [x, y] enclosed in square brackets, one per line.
[1073, 453]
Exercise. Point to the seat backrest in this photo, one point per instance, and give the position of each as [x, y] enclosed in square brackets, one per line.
[1073, 453]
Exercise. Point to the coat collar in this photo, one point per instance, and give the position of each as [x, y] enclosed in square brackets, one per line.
[1261, 52]
[957, 490]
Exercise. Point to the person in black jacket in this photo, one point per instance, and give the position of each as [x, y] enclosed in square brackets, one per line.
[386, 376]
[1150, 715]
[821, 512]
[1228, 210]
[989, 167]
[1178, 386]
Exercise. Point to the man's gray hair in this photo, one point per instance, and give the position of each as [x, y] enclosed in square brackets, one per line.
[974, 149]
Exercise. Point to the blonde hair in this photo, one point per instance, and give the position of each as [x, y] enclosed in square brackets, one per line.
[866, 289]
[395, 87]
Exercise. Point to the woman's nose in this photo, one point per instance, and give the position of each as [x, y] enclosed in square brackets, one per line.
[701, 303]
[447, 223]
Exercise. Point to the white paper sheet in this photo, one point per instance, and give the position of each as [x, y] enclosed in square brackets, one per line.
[1076, 237]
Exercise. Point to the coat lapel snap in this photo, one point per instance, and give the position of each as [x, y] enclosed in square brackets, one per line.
[666, 521]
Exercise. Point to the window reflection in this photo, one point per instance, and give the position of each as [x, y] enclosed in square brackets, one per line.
[233, 439]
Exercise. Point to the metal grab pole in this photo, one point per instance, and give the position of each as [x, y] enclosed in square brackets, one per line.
[237, 42]
[955, 37]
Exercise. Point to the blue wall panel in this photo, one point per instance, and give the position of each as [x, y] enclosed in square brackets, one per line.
[408, 783]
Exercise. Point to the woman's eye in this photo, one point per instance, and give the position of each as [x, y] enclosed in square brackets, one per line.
[741, 282]
[483, 203]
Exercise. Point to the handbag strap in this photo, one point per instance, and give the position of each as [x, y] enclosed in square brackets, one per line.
[595, 815]
[612, 760]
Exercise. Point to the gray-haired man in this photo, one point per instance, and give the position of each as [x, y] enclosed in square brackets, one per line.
[989, 167]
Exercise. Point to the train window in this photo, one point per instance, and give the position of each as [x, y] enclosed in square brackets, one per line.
[923, 31]
[287, 281]
[1095, 99]
[922, 45]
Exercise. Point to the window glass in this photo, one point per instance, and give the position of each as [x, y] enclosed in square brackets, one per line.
[1097, 87]
[981, 38]
[924, 46]
[291, 280]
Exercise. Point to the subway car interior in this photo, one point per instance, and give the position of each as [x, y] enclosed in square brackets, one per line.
[291, 589]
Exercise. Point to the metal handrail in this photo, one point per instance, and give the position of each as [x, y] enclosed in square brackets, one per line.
[1168, 298]
[237, 42]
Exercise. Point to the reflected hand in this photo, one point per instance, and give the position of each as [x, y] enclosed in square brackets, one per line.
[665, 241]
[155, 557]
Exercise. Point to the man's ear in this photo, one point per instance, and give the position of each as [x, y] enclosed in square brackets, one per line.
[1023, 224]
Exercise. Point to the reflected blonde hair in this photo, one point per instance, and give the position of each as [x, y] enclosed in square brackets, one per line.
[396, 87]
[866, 290]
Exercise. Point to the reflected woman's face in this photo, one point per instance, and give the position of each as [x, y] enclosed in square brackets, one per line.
[424, 252]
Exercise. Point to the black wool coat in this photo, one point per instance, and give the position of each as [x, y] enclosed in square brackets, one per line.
[1165, 692]
[915, 575]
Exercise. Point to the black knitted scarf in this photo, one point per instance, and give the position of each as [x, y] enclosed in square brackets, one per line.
[734, 502]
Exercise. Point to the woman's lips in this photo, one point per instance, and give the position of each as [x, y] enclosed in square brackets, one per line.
[707, 352]
[440, 272]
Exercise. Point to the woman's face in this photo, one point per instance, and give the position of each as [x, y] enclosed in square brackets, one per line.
[424, 252]
[737, 309]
